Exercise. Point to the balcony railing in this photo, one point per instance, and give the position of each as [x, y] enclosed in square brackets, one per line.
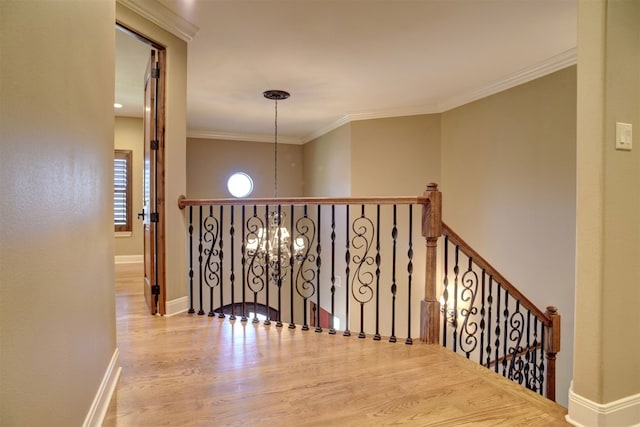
[365, 267]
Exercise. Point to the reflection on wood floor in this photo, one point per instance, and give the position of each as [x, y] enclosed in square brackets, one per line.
[202, 371]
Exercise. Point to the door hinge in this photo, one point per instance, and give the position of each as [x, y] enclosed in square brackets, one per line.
[154, 217]
[155, 144]
[155, 290]
[155, 73]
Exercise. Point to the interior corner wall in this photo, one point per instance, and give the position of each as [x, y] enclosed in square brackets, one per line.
[395, 156]
[57, 299]
[129, 135]
[175, 150]
[211, 162]
[509, 188]
[327, 164]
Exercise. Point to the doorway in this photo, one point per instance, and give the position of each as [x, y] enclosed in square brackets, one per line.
[140, 89]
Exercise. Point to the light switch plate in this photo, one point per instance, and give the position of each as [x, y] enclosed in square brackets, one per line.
[624, 137]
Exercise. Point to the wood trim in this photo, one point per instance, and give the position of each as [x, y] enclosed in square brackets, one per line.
[298, 201]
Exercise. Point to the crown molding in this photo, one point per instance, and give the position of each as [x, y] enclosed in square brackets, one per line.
[541, 69]
[228, 136]
[553, 64]
[162, 17]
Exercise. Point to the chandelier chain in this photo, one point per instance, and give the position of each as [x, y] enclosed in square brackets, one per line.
[275, 161]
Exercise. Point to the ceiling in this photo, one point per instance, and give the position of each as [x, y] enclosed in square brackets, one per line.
[344, 60]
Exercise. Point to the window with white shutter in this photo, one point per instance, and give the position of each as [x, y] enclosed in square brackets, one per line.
[122, 190]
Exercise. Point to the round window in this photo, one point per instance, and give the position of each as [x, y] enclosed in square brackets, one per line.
[240, 184]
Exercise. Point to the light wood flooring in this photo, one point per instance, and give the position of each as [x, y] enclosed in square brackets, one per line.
[201, 371]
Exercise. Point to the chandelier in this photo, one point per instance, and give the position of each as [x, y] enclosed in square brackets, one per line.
[271, 245]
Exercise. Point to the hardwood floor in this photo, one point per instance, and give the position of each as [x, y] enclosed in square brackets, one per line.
[202, 371]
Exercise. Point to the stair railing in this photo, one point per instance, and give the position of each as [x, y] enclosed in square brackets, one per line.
[354, 258]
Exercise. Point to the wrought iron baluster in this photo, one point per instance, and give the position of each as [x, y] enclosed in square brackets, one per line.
[376, 336]
[292, 324]
[528, 361]
[279, 267]
[332, 329]
[445, 293]
[362, 241]
[255, 269]
[468, 311]
[516, 335]
[191, 309]
[221, 313]
[489, 309]
[497, 331]
[200, 247]
[306, 275]
[394, 237]
[243, 261]
[505, 350]
[542, 376]
[454, 320]
[318, 264]
[482, 317]
[409, 340]
[212, 265]
[232, 276]
[347, 258]
[266, 264]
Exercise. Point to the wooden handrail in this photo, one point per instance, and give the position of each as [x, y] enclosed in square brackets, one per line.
[298, 201]
[504, 283]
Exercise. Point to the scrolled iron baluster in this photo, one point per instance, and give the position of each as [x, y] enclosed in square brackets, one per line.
[361, 243]
[306, 230]
[516, 335]
[212, 265]
[469, 328]
[255, 269]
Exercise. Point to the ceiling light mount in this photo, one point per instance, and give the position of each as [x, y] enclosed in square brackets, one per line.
[276, 95]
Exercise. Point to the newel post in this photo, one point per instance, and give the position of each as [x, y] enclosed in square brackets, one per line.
[431, 230]
[551, 348]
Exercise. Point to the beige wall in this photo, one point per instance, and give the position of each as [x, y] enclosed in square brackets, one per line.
[508, 183]
[175, 145]
[327, 164]
[56, 176]
[608, 228]
[395, 156]
[129, 135]
[211, 162]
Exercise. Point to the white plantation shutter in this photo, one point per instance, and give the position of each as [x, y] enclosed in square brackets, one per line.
[122, 190]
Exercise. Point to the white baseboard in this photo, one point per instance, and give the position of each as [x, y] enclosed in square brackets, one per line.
[98, 409]
[584, 412]
[128, 259]
[177, 306]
